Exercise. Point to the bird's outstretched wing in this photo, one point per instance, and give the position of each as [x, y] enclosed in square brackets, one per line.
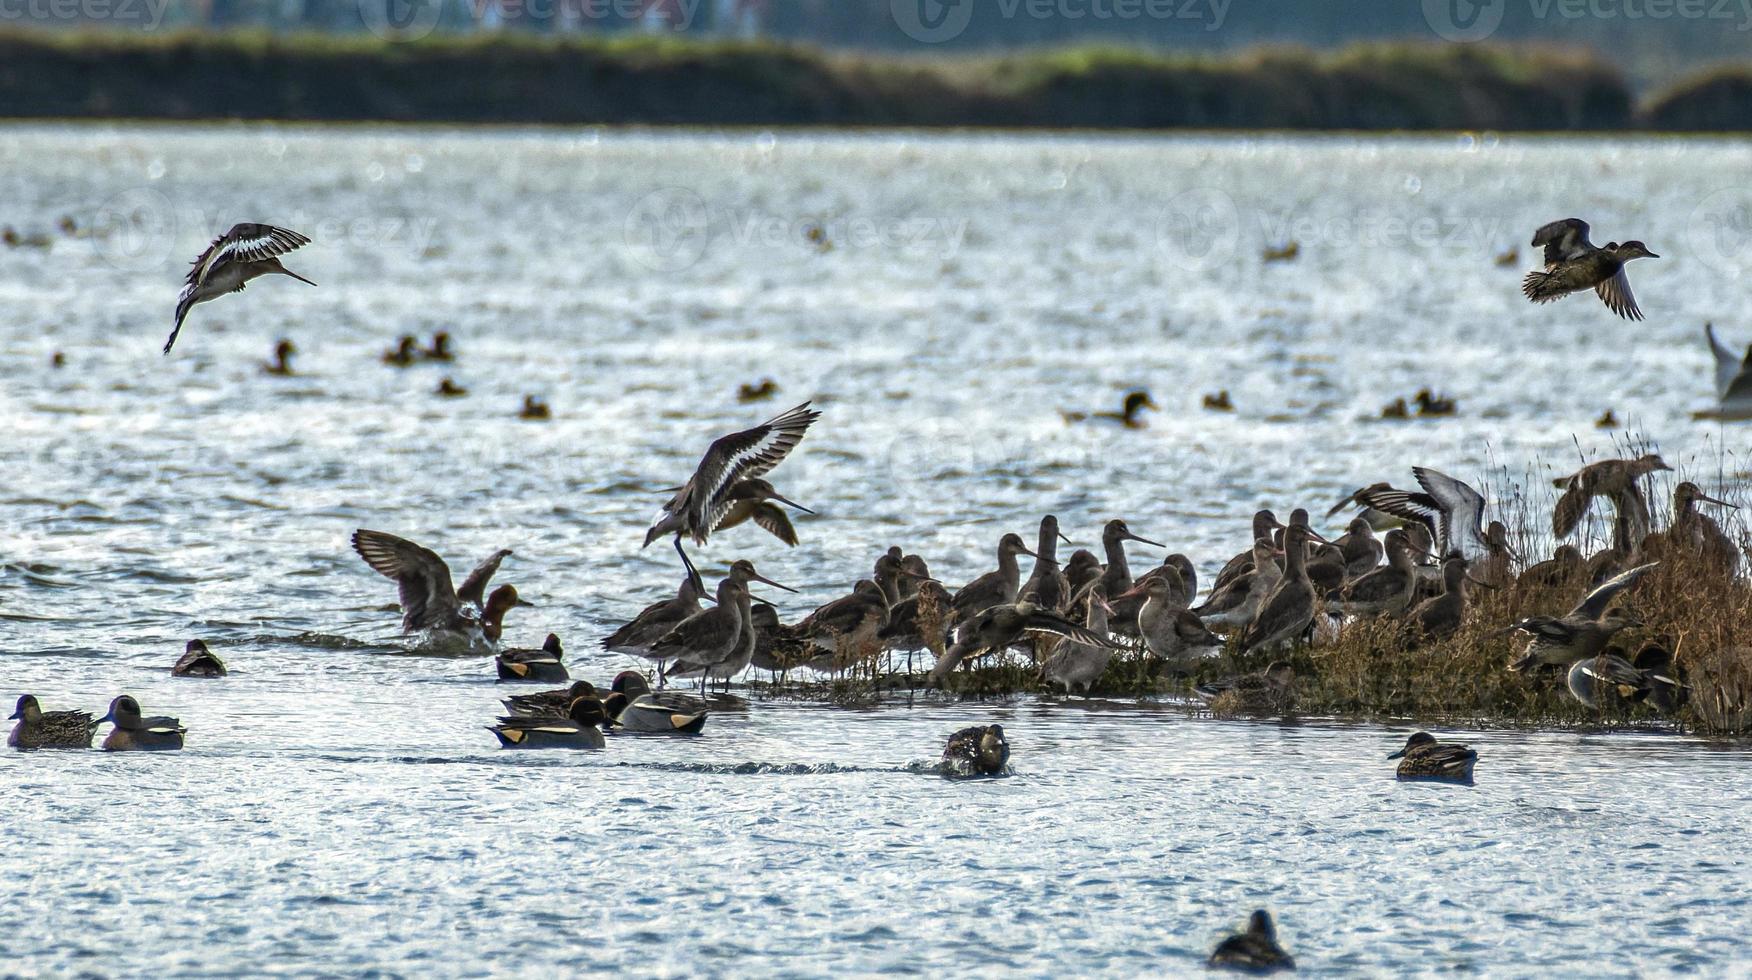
[245, 242]
[1407, 505]
[1052, 625]
[1563, 240]
[474, 588]
[427, 596]
[742, 456]
[1461, 513]
[1615, 293]
[1598, 600]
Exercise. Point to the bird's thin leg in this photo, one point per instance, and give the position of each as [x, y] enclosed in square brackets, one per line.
[693, 573]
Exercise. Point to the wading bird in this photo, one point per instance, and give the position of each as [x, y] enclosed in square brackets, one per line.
[245, 252]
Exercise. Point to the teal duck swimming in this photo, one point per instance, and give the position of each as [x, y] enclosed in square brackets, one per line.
[1424, 758]
[576, 730]
[548, 704]
[1267, 692]
[1572, 264]
[1255, 951]
[978, 751]
[632, 707]
[746, 392]
[540, 666]
[439, 350]
[281, 365]
[39, 729]
[448, 388]
[134, 733]
[1129, 415]
[244, 253]
[198, 661]
[535, 410]
[405, 352]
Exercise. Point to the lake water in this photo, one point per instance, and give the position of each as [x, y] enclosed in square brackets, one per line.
[341, 809]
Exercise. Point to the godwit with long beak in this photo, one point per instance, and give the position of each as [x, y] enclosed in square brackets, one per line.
[702, 503]
[1047, 585]
[1572, 264]
[245, 252]
[655, 620]
[996, 587]
[1288, 611]
[709, 664]
[1696, 531]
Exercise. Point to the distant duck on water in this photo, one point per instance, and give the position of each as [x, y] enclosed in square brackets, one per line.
[978, 751]
[39, 729]
[1572, 264]
[1219, 402]
[135, 733]
[450, 389]
[767, 388]
[541, 665]
[281, 365]
[534, 410]
[1129, 414]
[1253, 951]
[1286, 252]
[405, 352]
[439, 350]
[1424, 758]
[198, 661]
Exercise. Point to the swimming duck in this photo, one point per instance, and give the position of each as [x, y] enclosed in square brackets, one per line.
[448, 388]
[577, 730]
[1268, 692]
[1219, 402]
[1616, 480]
[746, 393]
[1424, 758]
[1582, 632]
[439, 350]
[198, 661]
[1255, 951]
[1396, 410]
[1607, 420]
[656, 619]
[405, 352]
[57, 360]
[248, 251]
[548, 704]
[1128, 415]
[534, 410]
[39, 729]
[133, 733]
[1431, 405]
[1283, 253]
[430, 604]
[1572, 263]
[1509, 258]
[978, 751]
[632, 707]
[281, 365]
[542, 665]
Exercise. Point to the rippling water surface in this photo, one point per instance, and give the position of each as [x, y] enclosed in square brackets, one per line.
[340, 807]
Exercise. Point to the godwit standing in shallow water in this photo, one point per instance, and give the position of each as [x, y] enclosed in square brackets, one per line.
[702, 503]
[1572, 264]
[245, 252]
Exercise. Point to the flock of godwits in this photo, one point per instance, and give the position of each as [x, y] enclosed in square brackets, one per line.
[1286, 586]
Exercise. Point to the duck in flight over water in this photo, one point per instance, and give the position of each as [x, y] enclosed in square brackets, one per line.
[1572, 264]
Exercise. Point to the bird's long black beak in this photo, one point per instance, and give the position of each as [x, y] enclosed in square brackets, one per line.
[296, 276]
[792, 504]
[762, 578]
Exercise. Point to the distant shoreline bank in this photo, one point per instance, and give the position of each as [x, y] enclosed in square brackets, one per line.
[528, 80]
